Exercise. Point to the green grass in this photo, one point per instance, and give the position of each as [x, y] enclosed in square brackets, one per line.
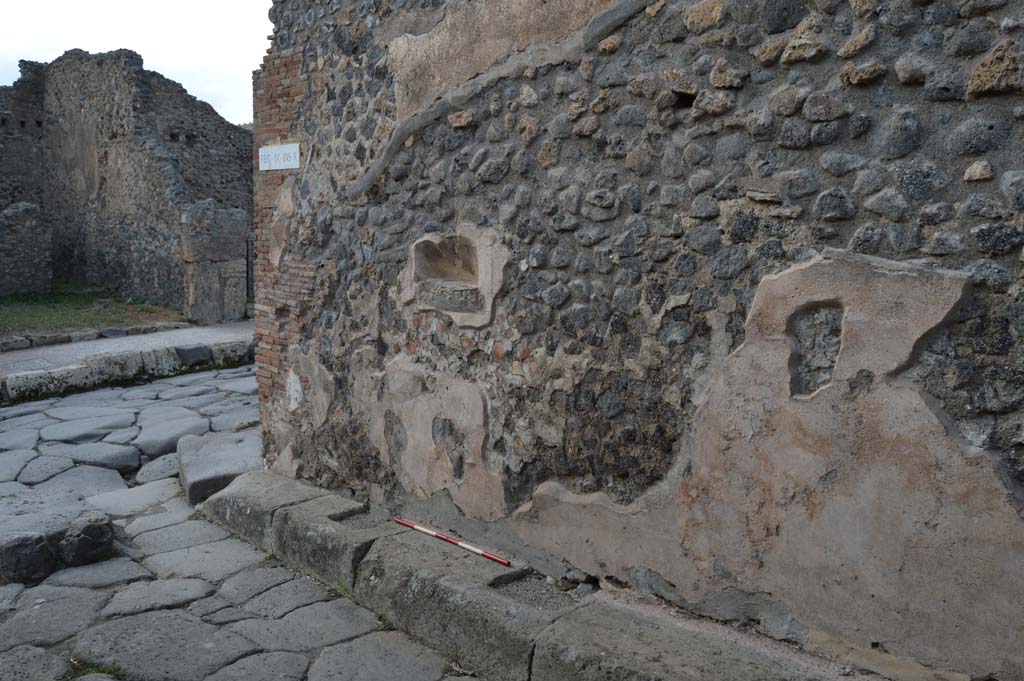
[80, 668]
[72, 307]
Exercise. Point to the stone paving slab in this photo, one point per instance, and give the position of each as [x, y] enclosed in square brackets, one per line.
[283, 599]
[234, 421]
[109, 573]
[120, 458]
[12, 463]
[384, 656]
[19, 439]
[86, 430]
[9, 596]
[251, 583]
[212, 562]
[85, 480]
[276, 666]
[161, 469]
[157, 595]
[27, 663]
[309, 628]
[162, 646]
[42, 468]
[160, 437]
[47, 615]
[35, 421]
[180, 536]
[135, 500]
[158, 520]
[210, 463]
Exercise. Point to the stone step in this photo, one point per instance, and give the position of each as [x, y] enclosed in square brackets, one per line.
[208, 464]
[501, 623]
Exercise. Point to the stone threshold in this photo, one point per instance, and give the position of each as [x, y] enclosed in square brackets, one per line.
[123, 368]
[501, 624]
[23, 342]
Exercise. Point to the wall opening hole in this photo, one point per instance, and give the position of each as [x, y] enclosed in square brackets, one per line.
[190, 139]
[173, 137]
[3, 122]
[24, 123]
[685, 100]
[816, 331]
[447, 275]
[39, 124]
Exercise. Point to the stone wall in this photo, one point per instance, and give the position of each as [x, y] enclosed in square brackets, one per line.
[128, 153]
[25, 240]
[117, 157]
[25, 243]
[718, 300]
[21, 137]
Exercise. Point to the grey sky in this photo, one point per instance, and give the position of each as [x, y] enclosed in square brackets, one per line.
[209, 46]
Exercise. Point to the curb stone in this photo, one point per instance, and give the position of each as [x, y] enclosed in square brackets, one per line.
[123, 368]
[503, 624]
[40, 340]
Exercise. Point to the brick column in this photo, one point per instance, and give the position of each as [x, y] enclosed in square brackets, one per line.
[281, 288]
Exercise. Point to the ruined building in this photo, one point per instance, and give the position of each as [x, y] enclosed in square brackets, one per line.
[116, 176]
[720, 301]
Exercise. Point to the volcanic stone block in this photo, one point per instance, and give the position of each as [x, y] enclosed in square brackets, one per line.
[314, 536]
[315, 626]
[385, 655]
[212, 562]
[605, 639]
[278, 666]
[156, 595]
[410, 580]
[114, 572]
[28, 662]
[87, 540]
[25, 557]
[48, 615]
[162, 645]
[247, 505]
[209, 464]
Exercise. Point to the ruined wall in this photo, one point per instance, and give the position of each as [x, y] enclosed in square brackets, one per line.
[128, 152]
[25, 243]
[718, 300]
[21, 137]
[25, 240]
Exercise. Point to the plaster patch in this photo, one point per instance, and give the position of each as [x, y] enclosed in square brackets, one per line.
[853, 499]
[473, 37]
[431, 430]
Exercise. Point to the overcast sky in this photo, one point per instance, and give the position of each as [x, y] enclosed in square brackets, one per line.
[209, 46]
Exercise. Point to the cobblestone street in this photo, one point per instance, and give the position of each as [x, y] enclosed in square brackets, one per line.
[182, 600]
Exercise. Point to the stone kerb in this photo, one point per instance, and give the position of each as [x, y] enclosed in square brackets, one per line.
[122, 368]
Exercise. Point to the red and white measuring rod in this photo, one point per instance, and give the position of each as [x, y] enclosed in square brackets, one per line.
[454, 542]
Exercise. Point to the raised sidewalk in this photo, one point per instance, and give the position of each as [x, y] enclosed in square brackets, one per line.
[39, 372]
